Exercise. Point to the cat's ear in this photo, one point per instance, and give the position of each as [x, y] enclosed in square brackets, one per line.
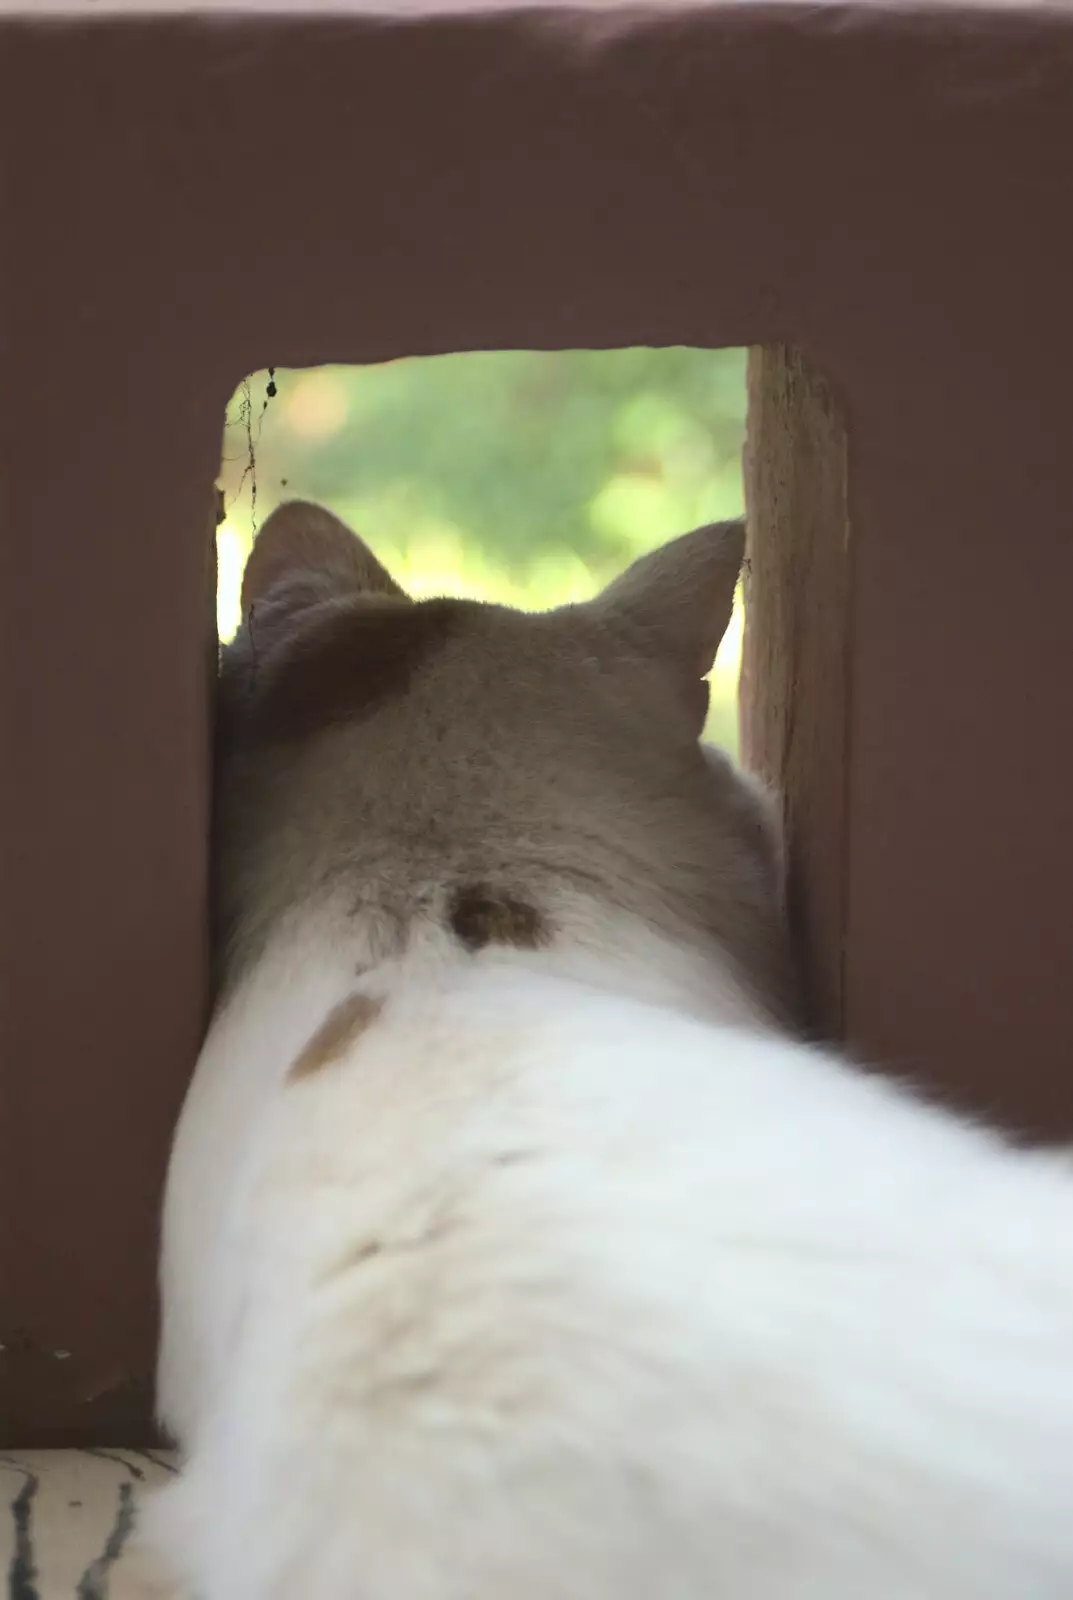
[678, 601]
[304, 554]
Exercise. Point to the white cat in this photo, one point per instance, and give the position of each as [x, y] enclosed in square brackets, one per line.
[513, 1250]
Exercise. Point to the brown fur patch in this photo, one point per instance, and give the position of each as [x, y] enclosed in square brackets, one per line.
[350, 659]
[339, 1029]
[480, 916]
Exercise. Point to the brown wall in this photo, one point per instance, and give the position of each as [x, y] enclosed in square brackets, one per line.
[187, 199]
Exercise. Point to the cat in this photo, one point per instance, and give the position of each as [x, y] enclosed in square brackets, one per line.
[515, 1245]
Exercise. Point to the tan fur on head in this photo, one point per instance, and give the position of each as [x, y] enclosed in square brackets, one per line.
[416, 753]
[304, 540]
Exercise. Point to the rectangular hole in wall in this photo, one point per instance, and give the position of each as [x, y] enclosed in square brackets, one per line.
[523, 477]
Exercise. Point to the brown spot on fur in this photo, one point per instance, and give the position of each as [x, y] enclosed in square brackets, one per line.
[480, 916]
[348, 659]
[338, 1030]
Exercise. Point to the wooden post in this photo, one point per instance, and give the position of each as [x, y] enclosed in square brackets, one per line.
[794, 668]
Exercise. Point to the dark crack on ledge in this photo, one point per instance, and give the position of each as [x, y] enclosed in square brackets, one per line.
[22, 1573]
[116, 1459]
[93, 1584]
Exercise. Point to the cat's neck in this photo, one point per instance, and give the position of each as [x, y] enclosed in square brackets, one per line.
[619, 953]
[317, 958]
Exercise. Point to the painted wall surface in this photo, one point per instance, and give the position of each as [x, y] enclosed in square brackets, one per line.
[187, 196]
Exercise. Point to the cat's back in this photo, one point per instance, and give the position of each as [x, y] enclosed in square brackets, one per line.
[579, 1254]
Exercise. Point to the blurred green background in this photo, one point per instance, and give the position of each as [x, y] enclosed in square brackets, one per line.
[524, 477]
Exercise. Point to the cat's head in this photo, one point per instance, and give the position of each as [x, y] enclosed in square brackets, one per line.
[509, 776]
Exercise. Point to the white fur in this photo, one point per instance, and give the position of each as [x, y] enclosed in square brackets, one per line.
[555, 1287]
